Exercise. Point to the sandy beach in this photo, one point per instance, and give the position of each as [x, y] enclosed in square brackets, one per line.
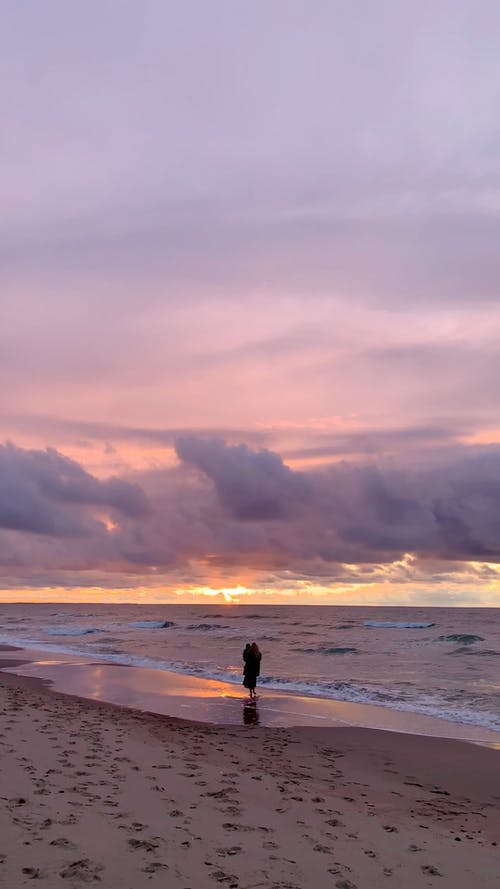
[95, 792]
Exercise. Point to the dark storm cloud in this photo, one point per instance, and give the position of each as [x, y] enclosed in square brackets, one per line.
[235, 507]
[249, 484]
[352, 513]
[43, 492]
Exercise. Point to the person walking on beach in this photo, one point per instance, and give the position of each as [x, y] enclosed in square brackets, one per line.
[245, 654]
[252, 658]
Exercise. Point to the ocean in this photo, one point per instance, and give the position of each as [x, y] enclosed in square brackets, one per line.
[441, 662]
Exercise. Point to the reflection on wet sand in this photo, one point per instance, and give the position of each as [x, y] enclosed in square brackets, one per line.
[251, 715]
[202, 700]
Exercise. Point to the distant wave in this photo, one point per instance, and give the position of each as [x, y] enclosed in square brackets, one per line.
[467, 708]
[399, 624]
[205, 628]
[65, 631]
[325, 649]
[152, 624]
[471, 652]
[239, 617]
[463, 638]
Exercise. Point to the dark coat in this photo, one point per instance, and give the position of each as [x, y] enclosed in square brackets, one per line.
[251, 669]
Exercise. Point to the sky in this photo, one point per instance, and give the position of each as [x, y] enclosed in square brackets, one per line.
[249, 301]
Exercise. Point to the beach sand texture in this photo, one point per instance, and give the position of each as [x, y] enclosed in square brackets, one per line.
[96, 793]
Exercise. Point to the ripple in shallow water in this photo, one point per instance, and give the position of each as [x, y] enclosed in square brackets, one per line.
[325, 649]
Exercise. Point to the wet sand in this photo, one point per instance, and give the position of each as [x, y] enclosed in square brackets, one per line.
[95, 792]
[221, 703]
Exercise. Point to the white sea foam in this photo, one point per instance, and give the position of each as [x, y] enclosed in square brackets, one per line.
[305, 649]
[340, 691]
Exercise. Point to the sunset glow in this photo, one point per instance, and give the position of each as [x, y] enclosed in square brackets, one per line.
[250, 308]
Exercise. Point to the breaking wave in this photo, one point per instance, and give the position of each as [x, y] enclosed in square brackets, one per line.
[325, 649]
[66, 631]
[205, 628]
[399, 624]
[358, 693]
[152, 624]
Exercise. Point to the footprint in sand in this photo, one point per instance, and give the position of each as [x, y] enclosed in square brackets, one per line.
[84, 870]
[63, 841]
[154, 867]
[147, 845]
[222, 877]
[34, 873]
[430, 870]
[228, 825]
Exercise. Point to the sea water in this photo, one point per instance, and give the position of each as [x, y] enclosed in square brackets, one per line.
[436, 661]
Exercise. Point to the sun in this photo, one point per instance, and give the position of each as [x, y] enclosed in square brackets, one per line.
[229, 594]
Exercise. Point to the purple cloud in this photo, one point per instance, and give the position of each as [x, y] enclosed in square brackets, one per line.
[251, 485]
[244, 508]
[44, 492]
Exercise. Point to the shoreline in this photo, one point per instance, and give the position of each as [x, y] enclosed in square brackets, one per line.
[447, 673]
[96, 791]
[201, 700]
